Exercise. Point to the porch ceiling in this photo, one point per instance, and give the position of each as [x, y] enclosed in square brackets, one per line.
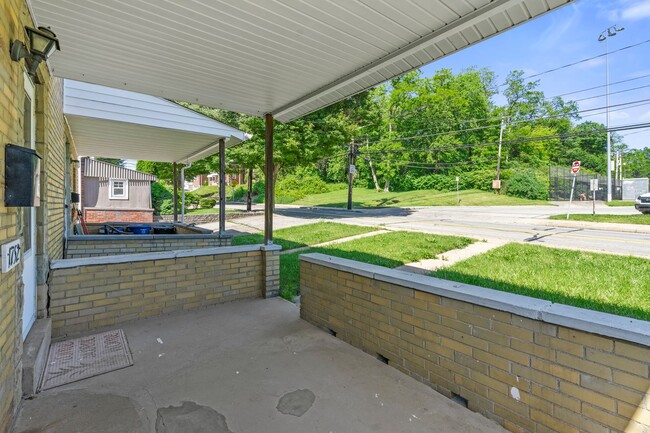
[118, 123]
[285, 57]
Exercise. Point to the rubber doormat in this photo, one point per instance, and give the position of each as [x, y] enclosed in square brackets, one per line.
[81, 358]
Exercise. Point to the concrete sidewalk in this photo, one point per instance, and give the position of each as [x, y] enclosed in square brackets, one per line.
[251, 366]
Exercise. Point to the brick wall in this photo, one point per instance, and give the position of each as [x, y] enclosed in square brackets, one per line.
[50, 143]
[97, 292]
[110, 245]
[127, 216]
[530, 365]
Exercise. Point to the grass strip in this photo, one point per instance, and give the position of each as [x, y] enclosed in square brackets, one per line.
[305, 235]
[389, 250]
[618, 219]
[601, 282]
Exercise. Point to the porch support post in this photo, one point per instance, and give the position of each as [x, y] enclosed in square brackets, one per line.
[222, 187]
[270, 252]
[269, 199]
[175, 169]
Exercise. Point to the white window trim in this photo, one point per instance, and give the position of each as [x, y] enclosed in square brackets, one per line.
[111, 196]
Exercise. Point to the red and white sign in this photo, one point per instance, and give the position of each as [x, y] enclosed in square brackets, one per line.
[575, 167]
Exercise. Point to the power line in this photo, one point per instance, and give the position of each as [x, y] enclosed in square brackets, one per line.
[518, 141]
[581, 61]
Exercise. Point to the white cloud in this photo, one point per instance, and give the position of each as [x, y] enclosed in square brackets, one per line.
[554, 33]
[636, 11]
[627, 10]
[645, 116]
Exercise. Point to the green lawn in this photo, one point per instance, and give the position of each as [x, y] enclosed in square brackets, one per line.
[618, 203]
[301, 236]
[602, 282]
[389, 249]
[621, 219]
[363, 197]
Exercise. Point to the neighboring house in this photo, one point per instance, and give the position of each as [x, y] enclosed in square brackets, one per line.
[110, 193]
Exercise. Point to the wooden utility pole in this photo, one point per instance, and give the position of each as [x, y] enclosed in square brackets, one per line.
[249, 195]
[351, 170]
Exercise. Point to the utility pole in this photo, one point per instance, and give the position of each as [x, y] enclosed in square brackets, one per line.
[604, 37]
[352, 155]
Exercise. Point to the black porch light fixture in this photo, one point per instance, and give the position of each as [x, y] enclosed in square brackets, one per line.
[42, 44]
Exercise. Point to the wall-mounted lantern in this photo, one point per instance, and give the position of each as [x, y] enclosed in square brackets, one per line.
[42, 44]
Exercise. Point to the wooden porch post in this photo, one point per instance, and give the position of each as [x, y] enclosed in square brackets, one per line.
[268, 182]
[175, 169]
[222, 186]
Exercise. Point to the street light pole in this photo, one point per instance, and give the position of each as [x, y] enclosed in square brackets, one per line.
[604, 36]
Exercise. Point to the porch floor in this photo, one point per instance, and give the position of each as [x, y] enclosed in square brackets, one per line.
[232, 364]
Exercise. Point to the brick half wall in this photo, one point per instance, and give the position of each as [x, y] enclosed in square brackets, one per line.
[528, 364]
[96, 292]
[122, 215]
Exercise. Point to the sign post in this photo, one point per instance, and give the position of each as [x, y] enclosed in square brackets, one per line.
[594, 187]
[575, 168]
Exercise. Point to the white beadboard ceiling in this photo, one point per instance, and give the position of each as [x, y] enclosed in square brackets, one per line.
[118, 123]
[285, 57]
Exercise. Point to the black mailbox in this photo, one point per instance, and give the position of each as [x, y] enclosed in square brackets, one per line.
[22, 177]
[74, 197]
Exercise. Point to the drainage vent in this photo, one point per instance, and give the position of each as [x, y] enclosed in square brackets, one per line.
[460, 400]
[332, 332]
[382, 358]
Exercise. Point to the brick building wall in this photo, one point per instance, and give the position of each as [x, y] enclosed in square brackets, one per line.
[116, 215]
[102, 245]
[97, 292]
[488, 347]
[50, 144]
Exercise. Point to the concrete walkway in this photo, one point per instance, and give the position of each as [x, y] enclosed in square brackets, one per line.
[251, 366]
[451, 257]
[336, 241]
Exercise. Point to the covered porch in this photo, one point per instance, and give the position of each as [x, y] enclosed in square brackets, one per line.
[226, 368]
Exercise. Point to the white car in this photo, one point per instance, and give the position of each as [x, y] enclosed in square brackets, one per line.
[642, 203]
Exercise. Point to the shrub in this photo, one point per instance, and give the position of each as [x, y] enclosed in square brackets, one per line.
[525, 184]
[207, 203]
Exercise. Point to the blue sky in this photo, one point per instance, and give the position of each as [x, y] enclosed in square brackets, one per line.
[566, 36]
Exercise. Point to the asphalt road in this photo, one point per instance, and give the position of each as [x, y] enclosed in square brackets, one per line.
[527, 224]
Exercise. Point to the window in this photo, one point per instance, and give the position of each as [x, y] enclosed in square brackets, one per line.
[118, 189]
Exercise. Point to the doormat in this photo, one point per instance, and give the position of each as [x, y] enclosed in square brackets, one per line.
[81, 358]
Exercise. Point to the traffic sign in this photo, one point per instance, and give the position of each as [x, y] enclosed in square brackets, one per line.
[575, 167]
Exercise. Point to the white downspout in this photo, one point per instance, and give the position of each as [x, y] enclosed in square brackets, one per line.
[183, 192]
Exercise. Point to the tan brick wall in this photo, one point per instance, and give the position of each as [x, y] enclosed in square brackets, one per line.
[50, 143]
[92, 296]
[79, 247]
[566, 380]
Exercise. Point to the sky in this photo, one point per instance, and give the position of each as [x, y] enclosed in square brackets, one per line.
[568, 35]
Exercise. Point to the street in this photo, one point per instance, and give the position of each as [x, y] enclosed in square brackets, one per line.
[526, 224]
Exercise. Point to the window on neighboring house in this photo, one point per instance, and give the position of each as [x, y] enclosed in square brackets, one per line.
[119, 189]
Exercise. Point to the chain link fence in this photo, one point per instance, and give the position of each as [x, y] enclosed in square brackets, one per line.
[561, 179]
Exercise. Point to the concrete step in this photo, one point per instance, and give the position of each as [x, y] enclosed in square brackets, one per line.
[35, 351]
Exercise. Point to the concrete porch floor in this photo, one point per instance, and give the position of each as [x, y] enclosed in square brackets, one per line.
[226, 369]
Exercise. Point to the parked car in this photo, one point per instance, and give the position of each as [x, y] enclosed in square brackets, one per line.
[642, 203]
